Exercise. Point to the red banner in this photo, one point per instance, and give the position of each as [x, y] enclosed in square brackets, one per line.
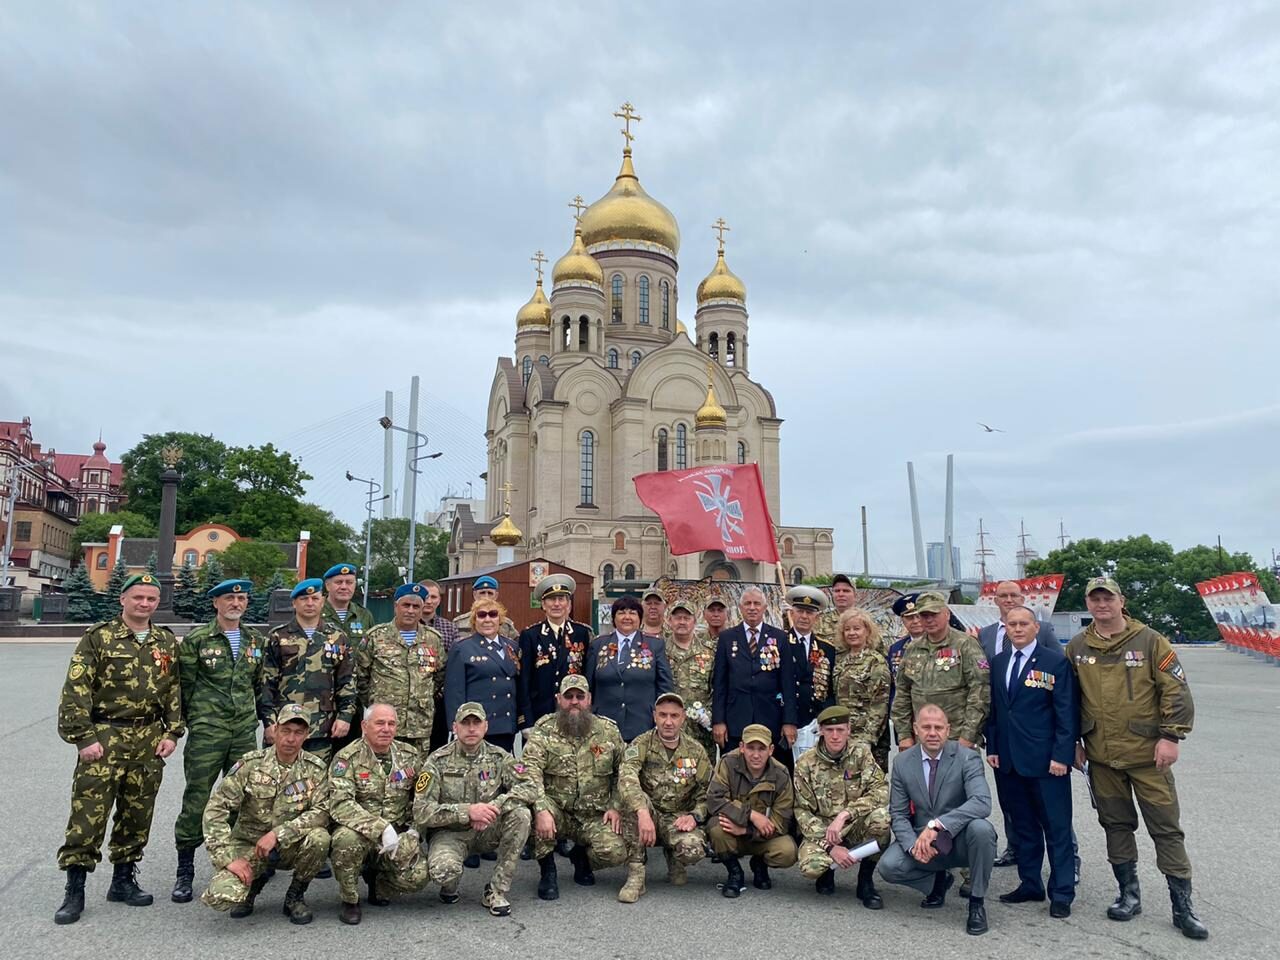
[712, 508]
[1039, 593]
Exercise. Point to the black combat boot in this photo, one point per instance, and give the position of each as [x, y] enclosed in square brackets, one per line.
[826, 884]
[736, 880]
[867, 891]
[73, 902]
[245, 909]
[1184, 917]
[295, 907]
[583, 875]
[186, 875]
[370, 876]
[1128, 903]
[548, 882]
[124, 886]
[760, 874]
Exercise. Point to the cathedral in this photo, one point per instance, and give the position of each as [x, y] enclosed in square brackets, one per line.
[607, 383]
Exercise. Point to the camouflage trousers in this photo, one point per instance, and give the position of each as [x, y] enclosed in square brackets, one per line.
[686, 846]
[208, 755]
[402, 871]
[1115, 790]
[131, 787]
[304, 856]
[815, 861]
[777, 851]
[604, 847]
[448, 848]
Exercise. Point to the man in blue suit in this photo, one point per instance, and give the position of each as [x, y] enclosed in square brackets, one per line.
[1031, 737]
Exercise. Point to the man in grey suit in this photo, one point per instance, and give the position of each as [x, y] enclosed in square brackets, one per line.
[939, 802]
[627, 671]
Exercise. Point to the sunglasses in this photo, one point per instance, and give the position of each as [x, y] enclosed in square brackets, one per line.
[574, 695]
[486, 614]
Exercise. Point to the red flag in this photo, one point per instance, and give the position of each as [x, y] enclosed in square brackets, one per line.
[712, 508]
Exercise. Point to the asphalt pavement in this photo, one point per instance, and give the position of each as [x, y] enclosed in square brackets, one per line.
[1227, 778]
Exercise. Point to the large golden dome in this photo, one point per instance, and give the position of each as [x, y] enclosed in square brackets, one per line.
[629, 215]
[506, 533]
[577, 265]
[721, 284]
[537, 312]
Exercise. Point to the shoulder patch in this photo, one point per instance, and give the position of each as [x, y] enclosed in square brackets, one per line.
[76, 671]
[235, 766]
[519, 768]
[340, 767]
[424, 781]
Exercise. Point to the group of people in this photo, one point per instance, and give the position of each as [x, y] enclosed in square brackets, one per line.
[389, 751]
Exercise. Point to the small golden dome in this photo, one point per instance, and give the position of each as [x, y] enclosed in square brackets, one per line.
[721, 284]
[710, 414]
[681, 328]
[627, 213]
[577, 265]
[506, 533]
[537, 312]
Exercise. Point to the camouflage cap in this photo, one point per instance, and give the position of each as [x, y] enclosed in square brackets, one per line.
[653, 591]
[842, 578]
[1103, 583]
[930, 602]
[836, 714]
[470, 709]
[757, 733]
[139, 580]
[684, 605]
[715, 601]
[293, 713]
[670, 697]
[575, 681]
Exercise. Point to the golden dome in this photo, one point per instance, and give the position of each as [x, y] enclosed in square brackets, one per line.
[710, 414]
[537, 312]
[577, 265]
[721, 284]
[506, 533]
[627, 213]
[681, 328]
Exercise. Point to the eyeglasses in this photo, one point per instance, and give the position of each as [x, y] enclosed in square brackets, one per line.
[486, 614]
[574, 695]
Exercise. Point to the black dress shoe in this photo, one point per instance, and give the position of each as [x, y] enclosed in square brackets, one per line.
[938, 895]
[1059, 910]
[1022, 895]
[826, 884]
[760, 874]
[976, 925]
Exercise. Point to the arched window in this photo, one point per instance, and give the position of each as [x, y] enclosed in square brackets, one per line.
[587, 468]
[526, 369]
[192, 558]
[613, 358]
[797, 576]
[635, 359]
[101, 562]
[567, 332]
[544, 360]
[644, 299]
[742, 452]
[619, 541]
[788, 547]
[584, 334]
[616, 313]
[629, 572]
[662, 450]
[713, 346]
[730, 350]
[682, 447]
[606, 573]
[666, 305]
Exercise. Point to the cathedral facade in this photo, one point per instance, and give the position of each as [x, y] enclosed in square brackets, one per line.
[607, 383]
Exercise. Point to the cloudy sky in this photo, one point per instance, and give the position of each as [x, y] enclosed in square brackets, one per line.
[1060, 218]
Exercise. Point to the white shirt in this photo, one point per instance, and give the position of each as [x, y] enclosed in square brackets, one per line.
[806, 639]
[999, 638]
[1026, 651]
[924, 766]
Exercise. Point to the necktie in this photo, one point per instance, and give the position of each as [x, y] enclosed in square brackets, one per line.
[1017, 668]
[753, 643]
[933, 778]
[622, 649]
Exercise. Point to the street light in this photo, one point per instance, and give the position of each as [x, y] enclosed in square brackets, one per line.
[374, 487]
[420, 441]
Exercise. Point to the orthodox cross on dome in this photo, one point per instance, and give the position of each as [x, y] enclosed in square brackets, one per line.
[539, 258]
[578, 205]
[720, 227]
[626, 114]
[506, 490]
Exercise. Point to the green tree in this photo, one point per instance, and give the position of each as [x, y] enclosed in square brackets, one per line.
[186, 593]
[82, 599]
[153, 562]
[260, 603]
[94, 527]
[253, 560]
[389, 549]
[109, 600]
[332, 541]
[211, 574]
[383, 575]
[205, 491]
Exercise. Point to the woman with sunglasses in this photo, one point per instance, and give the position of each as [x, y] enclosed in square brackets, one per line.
[627, 670]
[485, 668]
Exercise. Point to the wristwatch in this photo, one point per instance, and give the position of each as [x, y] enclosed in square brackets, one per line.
[935, 825]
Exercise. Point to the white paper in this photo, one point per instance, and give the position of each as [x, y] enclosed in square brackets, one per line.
[806, 737]
[389, 840]
[868, 849]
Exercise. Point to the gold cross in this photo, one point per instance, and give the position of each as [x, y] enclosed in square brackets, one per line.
[626, 115]
[539, 258]
[506, 489]
[578, 206]
[720, 227]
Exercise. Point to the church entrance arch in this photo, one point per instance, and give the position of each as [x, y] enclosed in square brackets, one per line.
[715, 566]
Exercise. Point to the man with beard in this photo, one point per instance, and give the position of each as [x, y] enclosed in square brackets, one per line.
[572, 758]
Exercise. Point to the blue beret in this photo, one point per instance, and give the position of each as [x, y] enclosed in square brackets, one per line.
[485, 583]
[905, 603]
[338, 569]
[411, 590]
[231, 586]
[314, 585]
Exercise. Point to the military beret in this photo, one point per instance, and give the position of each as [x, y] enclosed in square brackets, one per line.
[1103, 583]
[684, 605]
[931, 601]
[292, 713]
[842, 578]
[469, 709]
[653, 591]
[807, 598]
[231, 586]
[410, 590]
[757, 733]
[574, 681]
[555, 585]
[485, 583]
[339, 569]
[670, 697]
[836, 714]
[139, 580]
[306, 588]
[906, 604]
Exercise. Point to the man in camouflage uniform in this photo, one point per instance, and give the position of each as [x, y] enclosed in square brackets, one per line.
[402, 663]
[654, 622]
[693, 661]
[269, 810]
[843, 597]
[340, 607]
[1135, 709]
[220, 669]
[750, 803]
[862, 688]
[572, 759]
[470, 800]
[371, 786]
[715, 615]
[122, 709]
[309, 662]
[842, 801]
[484, 588]
[662, 787]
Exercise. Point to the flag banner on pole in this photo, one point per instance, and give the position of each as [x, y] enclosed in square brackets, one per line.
[1242, 613]
[712, 508]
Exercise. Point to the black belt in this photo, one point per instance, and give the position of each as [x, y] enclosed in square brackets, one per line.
[130, 722]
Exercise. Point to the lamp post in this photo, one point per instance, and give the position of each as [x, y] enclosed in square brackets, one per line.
[374, 487]
[419, 441]
[171, 456]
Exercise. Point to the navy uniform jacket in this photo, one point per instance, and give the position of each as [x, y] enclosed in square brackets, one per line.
[625, 691]
[894, 656]
[759, 689]
[476, 672]
[544, 661]
[815, 676]
[1036, 719]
